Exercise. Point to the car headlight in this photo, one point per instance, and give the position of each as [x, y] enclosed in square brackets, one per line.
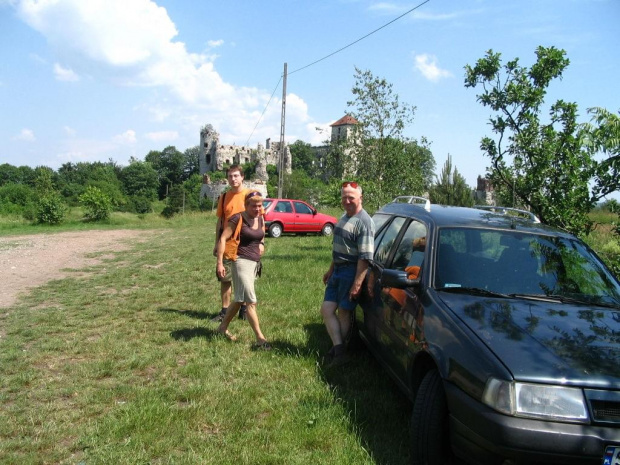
[555, 403]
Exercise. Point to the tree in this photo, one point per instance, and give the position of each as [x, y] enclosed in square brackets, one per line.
[140, 179]
[451, 188]
[170, 165]
[304, 158]
[386, 161]
[546, 166]
[192, 162]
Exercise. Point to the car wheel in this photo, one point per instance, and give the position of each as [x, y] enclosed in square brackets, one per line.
[275, 230]
[328, 229]
[430, 443]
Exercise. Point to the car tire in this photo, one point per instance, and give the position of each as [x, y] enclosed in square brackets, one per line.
[275, 230]
[430, 442]
[328, 229]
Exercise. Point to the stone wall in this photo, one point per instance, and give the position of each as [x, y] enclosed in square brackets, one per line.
[214, 156]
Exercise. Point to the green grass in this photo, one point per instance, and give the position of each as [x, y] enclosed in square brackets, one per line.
[125, 367]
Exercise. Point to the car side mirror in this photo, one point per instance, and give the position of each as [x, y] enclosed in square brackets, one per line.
[398, 279]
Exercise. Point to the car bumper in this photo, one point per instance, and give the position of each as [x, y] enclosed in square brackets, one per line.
[479, 431]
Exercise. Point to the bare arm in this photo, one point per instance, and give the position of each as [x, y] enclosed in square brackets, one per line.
[360, 274]
[218, 230]
[221, 245]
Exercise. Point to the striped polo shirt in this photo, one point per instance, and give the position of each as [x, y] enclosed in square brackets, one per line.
[354, 238]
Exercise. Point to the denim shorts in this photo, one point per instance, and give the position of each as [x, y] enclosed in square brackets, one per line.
[339, 286]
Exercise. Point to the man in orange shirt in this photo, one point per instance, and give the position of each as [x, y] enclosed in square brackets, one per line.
[233, 202]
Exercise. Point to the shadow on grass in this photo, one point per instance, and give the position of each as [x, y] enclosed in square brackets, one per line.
[379, 411]
[187, 334]
[189, 313]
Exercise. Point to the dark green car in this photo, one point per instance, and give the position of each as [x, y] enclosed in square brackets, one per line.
[505, 334]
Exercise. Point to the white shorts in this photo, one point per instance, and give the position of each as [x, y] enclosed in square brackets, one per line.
[244, 275]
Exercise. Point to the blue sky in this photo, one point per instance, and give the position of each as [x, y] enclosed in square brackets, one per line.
[99, 79]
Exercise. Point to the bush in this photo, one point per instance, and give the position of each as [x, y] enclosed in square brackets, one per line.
[141, 205]
[97, 205]
[50, 209]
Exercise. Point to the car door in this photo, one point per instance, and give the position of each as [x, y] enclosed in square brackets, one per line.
[305, 220]
[393, 317]
[283, 212]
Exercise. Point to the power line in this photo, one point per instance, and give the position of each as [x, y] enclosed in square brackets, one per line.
[360, 39]
[327, 56]
[264, 110]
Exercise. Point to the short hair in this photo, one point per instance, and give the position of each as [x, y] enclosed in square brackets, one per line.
[235, 168]
[253, 196]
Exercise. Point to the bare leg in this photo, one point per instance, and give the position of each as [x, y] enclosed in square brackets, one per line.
[252, 317]
[225, 292]
[231, 311]
[344, 317]
[332, 322]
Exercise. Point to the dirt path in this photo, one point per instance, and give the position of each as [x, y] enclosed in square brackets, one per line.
[30, 261]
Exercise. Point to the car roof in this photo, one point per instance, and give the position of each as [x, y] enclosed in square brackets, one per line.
[444, 216]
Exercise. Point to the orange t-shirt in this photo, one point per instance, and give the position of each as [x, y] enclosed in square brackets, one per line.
[232, 204]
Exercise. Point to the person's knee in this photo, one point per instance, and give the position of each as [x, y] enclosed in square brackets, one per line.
[328, 309]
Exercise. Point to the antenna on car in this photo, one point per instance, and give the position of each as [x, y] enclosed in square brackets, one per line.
[412, 199]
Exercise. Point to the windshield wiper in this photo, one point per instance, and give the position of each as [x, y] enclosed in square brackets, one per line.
[566, 300]
[473, 291]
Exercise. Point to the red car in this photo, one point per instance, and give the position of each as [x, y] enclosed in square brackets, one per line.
[295, 216]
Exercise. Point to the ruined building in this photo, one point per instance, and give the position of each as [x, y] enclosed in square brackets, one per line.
[215, 156]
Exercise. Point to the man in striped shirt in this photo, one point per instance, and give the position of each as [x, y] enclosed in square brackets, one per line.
[353, 248]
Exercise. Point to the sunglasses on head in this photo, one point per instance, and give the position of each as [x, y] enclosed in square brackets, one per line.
[252, 194]
[353, 184]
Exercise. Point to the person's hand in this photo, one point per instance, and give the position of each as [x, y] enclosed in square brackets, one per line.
[355, 291]
[220, 270]
[326, 277]
[261, 249]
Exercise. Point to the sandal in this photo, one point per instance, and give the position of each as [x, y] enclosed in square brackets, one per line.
[228, 335]
[263, 346]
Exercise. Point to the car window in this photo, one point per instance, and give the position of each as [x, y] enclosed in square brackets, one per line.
[512, 262]
[380, 219]
[266, 204]
[283, 206]
[302, 208]
[385, 241]
[410, 251]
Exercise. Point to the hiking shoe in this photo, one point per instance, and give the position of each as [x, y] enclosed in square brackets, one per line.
[243, 313]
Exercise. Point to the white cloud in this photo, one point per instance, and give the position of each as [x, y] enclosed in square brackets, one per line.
[134, 41]
[215, 43]
[128, 137]
[26, 135]
[163, 136]
[65, 74]
[427, 65]
[69, 131]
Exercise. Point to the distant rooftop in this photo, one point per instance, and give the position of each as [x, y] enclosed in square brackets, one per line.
[346, 119]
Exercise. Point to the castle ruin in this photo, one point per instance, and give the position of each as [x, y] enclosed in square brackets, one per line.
[215, 156]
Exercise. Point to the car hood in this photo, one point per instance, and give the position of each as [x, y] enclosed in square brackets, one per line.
[541, 341]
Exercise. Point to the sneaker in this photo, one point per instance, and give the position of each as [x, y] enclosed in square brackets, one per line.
[243, 312]
[219, 317]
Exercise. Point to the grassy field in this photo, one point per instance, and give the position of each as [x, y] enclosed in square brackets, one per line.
[125, 367]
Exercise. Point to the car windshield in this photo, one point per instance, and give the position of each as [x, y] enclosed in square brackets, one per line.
[524, 264]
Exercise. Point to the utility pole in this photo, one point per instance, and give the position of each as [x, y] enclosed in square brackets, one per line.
[282, 151]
